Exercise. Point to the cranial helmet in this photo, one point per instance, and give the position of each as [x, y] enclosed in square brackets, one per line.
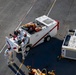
[25, 35]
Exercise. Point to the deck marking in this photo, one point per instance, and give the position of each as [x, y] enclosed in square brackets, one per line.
[2, 48]
[51, 7]
[19, 67]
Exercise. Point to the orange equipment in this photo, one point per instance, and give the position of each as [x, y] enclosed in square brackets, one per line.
[38, 72]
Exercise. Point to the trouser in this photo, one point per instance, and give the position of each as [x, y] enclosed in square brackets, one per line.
[10, 58]
[23, 53]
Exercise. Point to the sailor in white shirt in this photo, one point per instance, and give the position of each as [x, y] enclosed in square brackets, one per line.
[9, 56]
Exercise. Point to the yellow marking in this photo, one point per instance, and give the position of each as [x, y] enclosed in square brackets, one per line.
[51, 7]
[19, 67]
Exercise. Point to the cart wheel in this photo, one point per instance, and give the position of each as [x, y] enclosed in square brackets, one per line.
[48, 38]
[28, 48]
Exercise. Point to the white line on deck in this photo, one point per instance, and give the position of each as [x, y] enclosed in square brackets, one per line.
[51, 7]
[2, 48]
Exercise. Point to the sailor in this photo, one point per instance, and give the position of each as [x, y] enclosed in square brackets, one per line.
[15, 35]
[23, 45]
[19, 36]
[9, 56]
[23, 50]
[25, 39]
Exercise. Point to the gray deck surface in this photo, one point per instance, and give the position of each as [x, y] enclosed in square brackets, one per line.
[12, 12]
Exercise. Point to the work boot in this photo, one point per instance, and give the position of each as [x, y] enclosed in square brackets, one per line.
[12, 62]
[8, 63]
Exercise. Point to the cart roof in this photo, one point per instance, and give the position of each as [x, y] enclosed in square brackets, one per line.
[46, 20]
[70, 41]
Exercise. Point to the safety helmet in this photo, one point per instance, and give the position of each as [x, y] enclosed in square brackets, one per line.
[25, 35]
[23, 40]
[18, 31]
